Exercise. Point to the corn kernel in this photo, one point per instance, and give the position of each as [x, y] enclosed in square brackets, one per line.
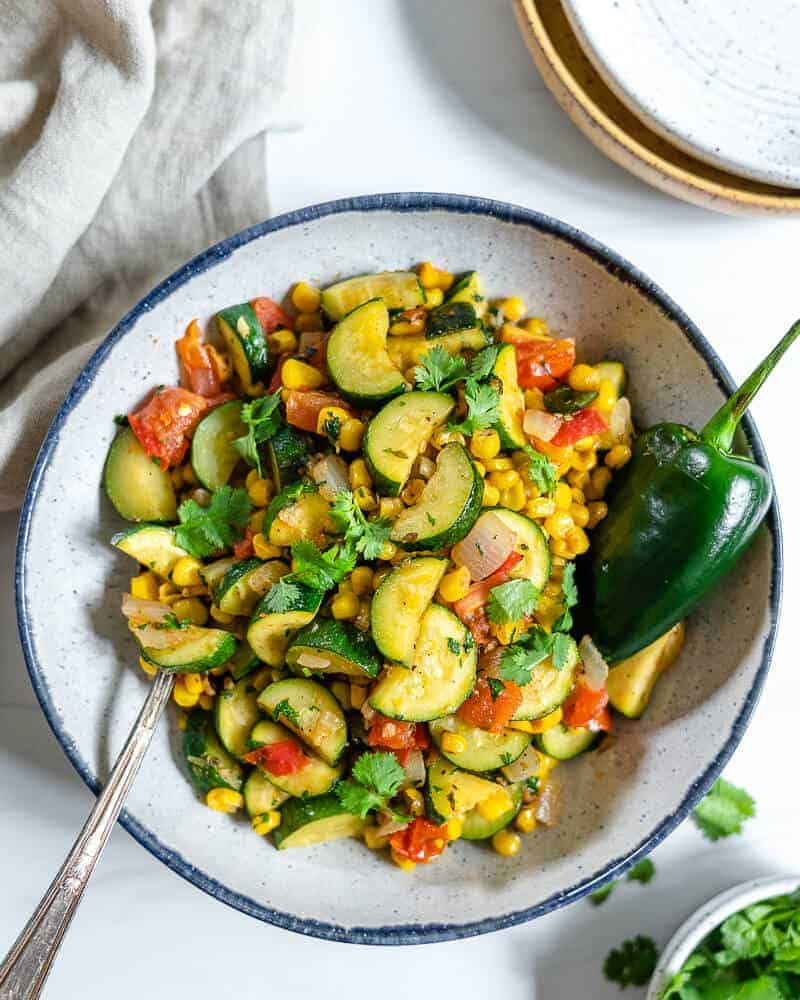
[390, 507]
[584, 378]
[577, 540]
[433, 297]
[606, 397]
[305, 298]
[583, 461]
[282, 341]
[538, 327]
[454, 828]
[548, 722]
[251, 477]
[145, 586]
[491, 495]
[578, 495]
[559, 524]
[540, 507]
[260, 492]
[147, 667]
[412, 491]
[513, 308]
[506, 843]
[168, 593]
[193, 683]
[404, 864]
[579, 514]
[514, 496]
[182, 696]
[186, 572]
[442, 437]
[597, 511]
[495, 805]
[266, 822]
[358, 695]
[404, 327]
[221, 617]
[454, 585]
[502, 463]
[182, 720]
[523, 726]
[365, 498]
[578, 478]
[308, 323]
[453, 743]
[534, 399]
[331, 414]
[485, 444]
[345, 606]
[432, 277]
[206, 701]
[191, 608]
[415, 801]
[299, 375]
[504, 480]
[563, 496]
[598, 483]
[256, 522]
[264, 549]
[373, 840]
[358, 474]
[481, 468]
[526, 819]
[351, 434]
[619, 455]
[361, 580]
[560, 547]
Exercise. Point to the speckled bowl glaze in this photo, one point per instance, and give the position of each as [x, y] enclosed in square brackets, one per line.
[617, 805]
[701, 923]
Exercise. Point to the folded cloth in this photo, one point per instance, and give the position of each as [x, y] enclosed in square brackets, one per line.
[131, 137]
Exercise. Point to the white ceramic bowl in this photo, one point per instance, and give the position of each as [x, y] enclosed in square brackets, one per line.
[701, 923]
[617, 805]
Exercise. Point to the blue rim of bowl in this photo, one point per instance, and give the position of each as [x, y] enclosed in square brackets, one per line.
[619, 267]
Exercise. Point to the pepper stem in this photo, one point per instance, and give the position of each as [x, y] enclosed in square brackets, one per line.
[720, 429]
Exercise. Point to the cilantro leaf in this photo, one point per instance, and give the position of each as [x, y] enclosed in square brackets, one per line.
[512, 601]
[377, 776]
[356, 799]
[568, 586]
[561, 650]
[633, 963]
[483, 408]
[599, 897]
[281, 597]
[439, 370]
[643, 871]
[262, 420]
[517, 661]
[207, 531]
[322, 570]
[541, 471]
[288, 495]
[723, 811]
[287, 710]
[366, 537]
[482, 364]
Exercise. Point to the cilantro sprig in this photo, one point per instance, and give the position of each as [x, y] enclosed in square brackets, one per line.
[263, 421]
[377, 777]
[288, 711]
[512, 601]
[723, 811]
[633, 963]
[569, 593]
[322, 570]
[517, 661]
[541, 471]
[483, 407]
[281, 597]
[207, 531]
[367, 538]
[437, 370]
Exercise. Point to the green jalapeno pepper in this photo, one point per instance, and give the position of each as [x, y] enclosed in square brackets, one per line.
[685, 510]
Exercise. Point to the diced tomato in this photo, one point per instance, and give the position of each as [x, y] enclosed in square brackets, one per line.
[198, 363]
[302, 407]
[163, 425]
[585, 706]
[319, 359]
[270, 315]
[471, 609]
[488, 711]
[421, 841]
[393, 735]
[277, 375]
[584, 424]
[283, 757]
[541, 363]
[244, 548]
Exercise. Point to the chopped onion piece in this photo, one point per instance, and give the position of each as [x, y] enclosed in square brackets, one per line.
[415, 768]
[369, 713]
[620, 423]
[541, 424]
[143, 610]
[331, 473]
[486, 547]
[595, 668]
[313, 662]
[309, 342]
[390, 825]
[152, 636]
[325, 726]
[549, 808]
[523, 767]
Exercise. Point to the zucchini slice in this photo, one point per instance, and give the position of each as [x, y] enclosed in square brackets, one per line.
[398, 289]
[469, 288]
[287, 451]
[564, 744]
[407, 351]
[547, 690]
[442, 677]
[203, 649]
[151, 545]
[269, 632]
[247, 345]
[630, 682]
[531, 544]
[512, 399]
[484, 751]
[451, 793]
[213, 573]
[399, 604]
[305, 822]
[246, 583]
[213, 456]
[311, 711]
[448, 507]
[327, 646]
[476, 827]
[235, 713]
[210, 765]
[398, 433]
[451, 317]
[139, 488]
[613, 372]
[358, 361]
[260, 795]
[315, 778]
[243, 662]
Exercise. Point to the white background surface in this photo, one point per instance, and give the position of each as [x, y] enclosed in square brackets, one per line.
[436, 95]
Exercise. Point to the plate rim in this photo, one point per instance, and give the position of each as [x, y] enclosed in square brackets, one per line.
[632, 99]
[619, 267]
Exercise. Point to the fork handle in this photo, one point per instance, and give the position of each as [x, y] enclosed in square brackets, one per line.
[25, 967]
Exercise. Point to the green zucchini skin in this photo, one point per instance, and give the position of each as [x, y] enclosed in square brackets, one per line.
[244, 661]
[351, 652]
[316, 820]
[260, 795]
[407, 351]
[566, 744]
[287, 452]
[269, 633]
[209, 763]
[398, 289]
[204, 649]
[358, 361]
[484, 751]
[138, 488]
[548, 689]
[451, 317]
[236, 711]
[469, 288]
[247, 345]
[151, 545]
[399, 604]
[306, 700]
[475, 827]
[213, 456]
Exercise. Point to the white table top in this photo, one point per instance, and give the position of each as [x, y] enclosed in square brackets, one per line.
[435, 95]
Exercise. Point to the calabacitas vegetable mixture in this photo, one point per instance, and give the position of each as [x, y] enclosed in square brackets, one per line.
[357, 524]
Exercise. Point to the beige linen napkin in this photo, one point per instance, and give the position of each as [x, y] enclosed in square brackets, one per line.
[131, 137]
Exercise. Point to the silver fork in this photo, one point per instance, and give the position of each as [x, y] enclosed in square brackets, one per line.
[25, 967]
